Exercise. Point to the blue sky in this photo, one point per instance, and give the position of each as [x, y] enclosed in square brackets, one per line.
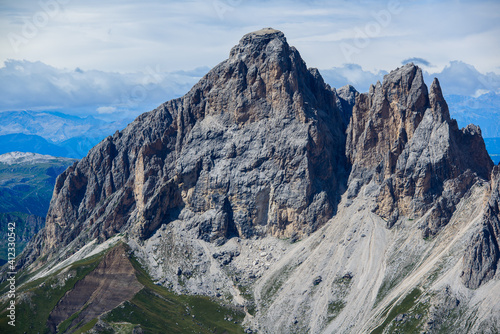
[107, 56]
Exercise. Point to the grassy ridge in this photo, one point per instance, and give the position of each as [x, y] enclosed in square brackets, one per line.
[42, 295]
[28, 188]
[154, 309]
[158, 310]
[408, 305]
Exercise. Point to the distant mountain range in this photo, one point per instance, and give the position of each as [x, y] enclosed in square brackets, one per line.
[483, 110]
[493, 147]
[53, 133]
[26, 227]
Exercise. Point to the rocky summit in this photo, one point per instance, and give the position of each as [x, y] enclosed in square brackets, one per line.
[256, 148]
[402, 137]
[309, 209]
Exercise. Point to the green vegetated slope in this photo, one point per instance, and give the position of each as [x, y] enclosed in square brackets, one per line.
[28, 187]
[25, 194]
[154, 309]
[406, 316]
[158, 310]
[35, 300]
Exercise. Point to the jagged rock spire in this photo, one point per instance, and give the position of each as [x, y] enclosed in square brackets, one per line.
[402, 138]
[438, 103]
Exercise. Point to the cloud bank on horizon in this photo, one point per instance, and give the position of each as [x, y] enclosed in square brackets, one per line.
[38, 86]
[123, 56]
[108, 95]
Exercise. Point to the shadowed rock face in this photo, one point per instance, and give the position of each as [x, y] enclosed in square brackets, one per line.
[112, 282]
[402, 138]
[255, 148]
[346, 99]
[481, 259]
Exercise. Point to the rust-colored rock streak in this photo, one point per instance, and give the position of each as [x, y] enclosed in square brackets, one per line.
[106, 287]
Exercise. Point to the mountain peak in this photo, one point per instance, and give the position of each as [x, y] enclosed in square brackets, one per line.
[406, 85]
[258, 117]
[265, 41]
[264, 35]
[399, 134]
[437, 101]
[266, 32]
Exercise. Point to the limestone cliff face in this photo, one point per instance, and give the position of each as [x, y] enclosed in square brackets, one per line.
[255, 148]
[482, 257]
[402, 138]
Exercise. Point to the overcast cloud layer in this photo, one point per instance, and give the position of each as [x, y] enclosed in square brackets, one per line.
[175, 35]
[38, 86]
[111, 95]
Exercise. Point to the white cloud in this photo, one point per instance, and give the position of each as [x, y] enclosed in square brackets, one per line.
[417, 61]
[459, 78]
[128, 36]
[351, 74]
[106, 110]
[37, 86]
[456, 78]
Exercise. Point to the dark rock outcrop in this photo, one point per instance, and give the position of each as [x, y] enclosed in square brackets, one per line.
[346, 99]
[482, 257]
[255, 148]
[402, 137]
